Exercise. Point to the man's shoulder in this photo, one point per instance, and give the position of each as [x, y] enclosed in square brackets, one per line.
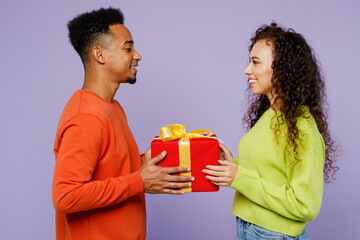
[82, 105]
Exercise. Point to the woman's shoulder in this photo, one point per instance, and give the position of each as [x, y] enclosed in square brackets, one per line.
[306, 119]
[307, 126]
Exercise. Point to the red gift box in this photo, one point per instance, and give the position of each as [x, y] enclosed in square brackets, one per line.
[203, 151]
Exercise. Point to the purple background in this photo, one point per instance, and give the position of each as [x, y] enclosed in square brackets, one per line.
[194, 53]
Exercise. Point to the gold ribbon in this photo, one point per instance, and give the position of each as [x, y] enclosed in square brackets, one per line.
[178, 131]
[185, 158]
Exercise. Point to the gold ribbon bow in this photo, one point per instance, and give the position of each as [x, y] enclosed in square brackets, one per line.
[179, 131]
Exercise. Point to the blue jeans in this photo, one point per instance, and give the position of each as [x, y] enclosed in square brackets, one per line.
[249, 231]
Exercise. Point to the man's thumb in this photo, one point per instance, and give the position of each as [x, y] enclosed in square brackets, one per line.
[155, 160]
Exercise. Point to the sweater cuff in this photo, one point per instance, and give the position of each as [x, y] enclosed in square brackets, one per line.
[135, 183]
[241, 179]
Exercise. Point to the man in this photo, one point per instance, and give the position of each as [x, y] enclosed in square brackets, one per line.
[99, 179]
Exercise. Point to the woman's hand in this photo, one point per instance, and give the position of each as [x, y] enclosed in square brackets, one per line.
[225, 173]
[222, 175]
[224, 153]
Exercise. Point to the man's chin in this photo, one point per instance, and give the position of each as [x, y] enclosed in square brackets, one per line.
[131, 80]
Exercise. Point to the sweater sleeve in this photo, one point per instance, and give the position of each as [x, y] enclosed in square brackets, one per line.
[235, 160]
[299, 199]
[82, 145]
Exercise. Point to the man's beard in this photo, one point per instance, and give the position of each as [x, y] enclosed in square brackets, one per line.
[131, 80]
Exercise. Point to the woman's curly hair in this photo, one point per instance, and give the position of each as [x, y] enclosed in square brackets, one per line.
[297, 81]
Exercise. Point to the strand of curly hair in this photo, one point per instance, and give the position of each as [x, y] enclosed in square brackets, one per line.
[298, 81]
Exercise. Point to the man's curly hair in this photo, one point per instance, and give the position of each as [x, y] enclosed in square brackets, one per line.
[297, 81]
[92, 28]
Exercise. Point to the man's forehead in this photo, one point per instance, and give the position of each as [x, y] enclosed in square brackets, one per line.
[122, 33]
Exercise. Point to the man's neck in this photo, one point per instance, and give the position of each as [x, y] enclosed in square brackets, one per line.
[100, 85]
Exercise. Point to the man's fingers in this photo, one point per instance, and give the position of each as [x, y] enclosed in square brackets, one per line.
[179, 178]
[176, 185]
[147, 154]
[171, 170]
[155, 160]
[172, 191]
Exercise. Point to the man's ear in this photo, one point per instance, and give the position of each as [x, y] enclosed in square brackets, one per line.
[98, 54]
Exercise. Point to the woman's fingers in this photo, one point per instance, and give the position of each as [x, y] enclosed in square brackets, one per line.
[222, 175]
[216, 179]
[216, 168]
[227, 163]
[220, 184]
[213, 173]
[226, 152]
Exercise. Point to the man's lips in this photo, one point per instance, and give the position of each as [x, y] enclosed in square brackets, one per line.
[133, 66]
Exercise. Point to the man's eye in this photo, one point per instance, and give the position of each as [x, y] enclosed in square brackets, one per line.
[128, 49]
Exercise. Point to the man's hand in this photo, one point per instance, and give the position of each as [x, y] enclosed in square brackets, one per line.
[146, 156]
[160, 179]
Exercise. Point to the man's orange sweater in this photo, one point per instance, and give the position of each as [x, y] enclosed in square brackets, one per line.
[97, 191]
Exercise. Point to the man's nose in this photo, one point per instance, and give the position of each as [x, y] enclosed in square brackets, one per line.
[137, 56]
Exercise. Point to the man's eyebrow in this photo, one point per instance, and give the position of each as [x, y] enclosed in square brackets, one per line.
[128, 42]
[254, 57]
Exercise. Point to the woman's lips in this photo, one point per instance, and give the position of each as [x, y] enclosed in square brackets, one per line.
[251, 82]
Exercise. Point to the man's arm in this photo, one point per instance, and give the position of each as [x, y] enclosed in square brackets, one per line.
[83, 143]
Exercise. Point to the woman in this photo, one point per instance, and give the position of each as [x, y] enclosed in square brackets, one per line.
[288, 151]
